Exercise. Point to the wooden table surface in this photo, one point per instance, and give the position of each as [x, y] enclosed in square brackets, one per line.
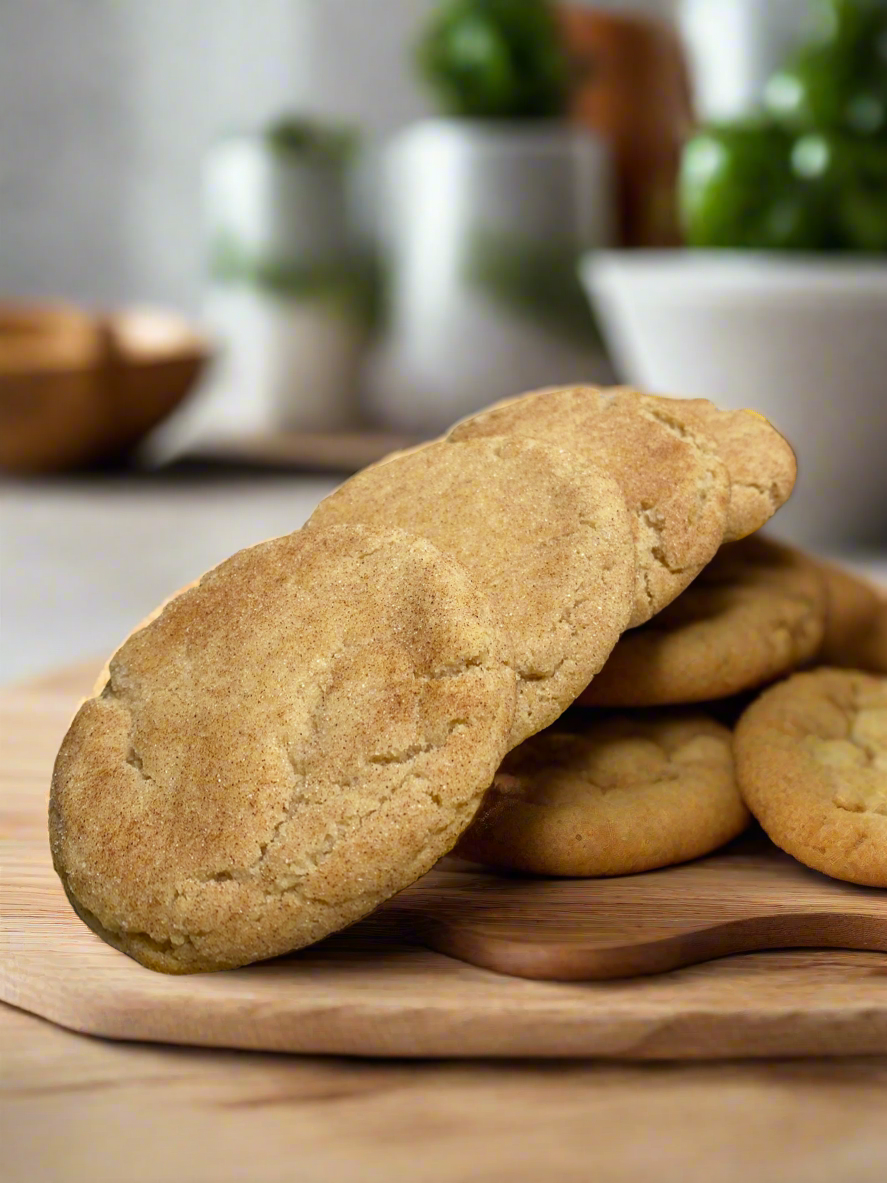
[78, 1109]
[82, 562]
[75, 1108]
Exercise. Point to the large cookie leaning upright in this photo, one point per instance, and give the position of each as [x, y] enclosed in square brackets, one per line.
[546, 536]
[105, 673]
[287, 745]
[675, 485]
[811, 761]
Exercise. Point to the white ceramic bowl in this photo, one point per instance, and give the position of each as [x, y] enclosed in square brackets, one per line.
[803, 339]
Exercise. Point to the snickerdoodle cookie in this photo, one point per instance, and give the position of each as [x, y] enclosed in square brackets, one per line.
[760, 461]
[623, 794]
[287, 745]
[811, 761]
[675, 485]
[547, 537]
[102, 680]
[756, 612]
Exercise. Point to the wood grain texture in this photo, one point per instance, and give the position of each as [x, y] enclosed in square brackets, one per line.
[83, 1110]
[749, 896]
[372, 991]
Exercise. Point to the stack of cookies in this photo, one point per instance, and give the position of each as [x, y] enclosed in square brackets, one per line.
[303, 733]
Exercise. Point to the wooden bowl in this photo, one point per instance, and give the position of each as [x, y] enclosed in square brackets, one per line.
[77, 389]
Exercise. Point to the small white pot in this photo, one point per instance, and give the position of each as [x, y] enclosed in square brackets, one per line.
[484, 223]
[275, 204]
[284, 297]
[300, 362]
[801, 339]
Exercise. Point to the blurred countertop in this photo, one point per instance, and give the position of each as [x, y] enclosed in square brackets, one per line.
[83, 559]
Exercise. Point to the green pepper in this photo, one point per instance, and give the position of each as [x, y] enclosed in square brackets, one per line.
[738, 188]
[497, 59]
[838, 82]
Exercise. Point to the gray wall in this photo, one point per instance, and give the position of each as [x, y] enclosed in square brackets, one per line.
[107, 106]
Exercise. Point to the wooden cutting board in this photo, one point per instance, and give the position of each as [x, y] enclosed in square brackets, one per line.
[379, 990]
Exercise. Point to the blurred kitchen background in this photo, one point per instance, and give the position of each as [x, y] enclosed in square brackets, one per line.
[248, 246]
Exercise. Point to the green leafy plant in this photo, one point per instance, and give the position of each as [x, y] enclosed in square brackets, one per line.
[810, 172]
[837, 82]
[496, 59]
[738, 189]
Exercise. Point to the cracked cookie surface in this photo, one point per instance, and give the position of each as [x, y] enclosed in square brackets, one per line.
[761, 463]
[756, 612]
[622, 794]
[546, 537]
[287, 745]
[811, 761]
[675, 485]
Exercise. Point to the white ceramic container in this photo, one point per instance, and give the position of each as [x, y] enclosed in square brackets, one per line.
[801, 339]
[483, 223]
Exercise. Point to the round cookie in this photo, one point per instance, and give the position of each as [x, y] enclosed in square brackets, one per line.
[675, 485]
[811, 761]
[760, 462]
[547, 537]
[624, 794]
[287, 745]
[756, 612]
